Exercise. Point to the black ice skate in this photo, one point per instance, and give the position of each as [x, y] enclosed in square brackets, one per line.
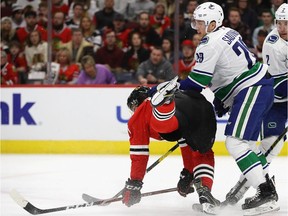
[264, 201]
[237, 192]
[208, 204]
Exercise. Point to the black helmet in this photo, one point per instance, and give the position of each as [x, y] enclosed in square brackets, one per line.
[137, 96]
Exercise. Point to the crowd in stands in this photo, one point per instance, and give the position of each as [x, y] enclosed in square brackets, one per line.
[114, 41]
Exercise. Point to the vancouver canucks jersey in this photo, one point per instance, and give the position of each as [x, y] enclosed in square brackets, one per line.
[275, 51]
[224, 63]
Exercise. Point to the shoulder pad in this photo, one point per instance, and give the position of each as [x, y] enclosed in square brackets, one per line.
[272, 39]
[204, 40]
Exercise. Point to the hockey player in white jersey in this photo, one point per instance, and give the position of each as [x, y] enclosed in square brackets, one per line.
[275, 56]
[240, 85]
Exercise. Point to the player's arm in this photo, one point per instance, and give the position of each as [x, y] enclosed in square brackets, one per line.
[139, 155]
[202, 73]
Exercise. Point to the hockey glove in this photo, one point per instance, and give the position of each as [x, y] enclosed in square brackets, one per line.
[131, 193]
[219, 107]
[184, 185]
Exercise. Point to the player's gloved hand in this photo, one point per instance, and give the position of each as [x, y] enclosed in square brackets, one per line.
[131, 193]
[219, 107]
[184, 185]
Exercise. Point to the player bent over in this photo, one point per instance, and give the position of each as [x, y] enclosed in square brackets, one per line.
[184, 117]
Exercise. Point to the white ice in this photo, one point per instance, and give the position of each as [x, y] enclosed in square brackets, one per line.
[49, 181]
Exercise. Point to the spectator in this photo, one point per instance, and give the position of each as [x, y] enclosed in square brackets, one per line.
[191, 6]
[155, 70]
[89, 32]
[268, 25]
[135, 55]
[89, 6]
[17, 17]
[8, 75]
[60, 32]
[59, 5]
[8, 34]
[31, 25]
[68, 71]
[78, 46]
[149, 36]
[168, 49]
[196, 39]
[187, 61]
[159, 20]
[234, 22]
[78, 11]
[257, 50]
[36, 51]
[170, 6]
[136, 7]
[122, 33]
[17, 58]
[43, 14]
[110, 55]
[104, 18]
[94, 73]
[248, 15]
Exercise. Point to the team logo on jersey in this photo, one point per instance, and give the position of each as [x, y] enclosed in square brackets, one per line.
[272, 39]
[272, 125]
[211, 7]
[204, 40]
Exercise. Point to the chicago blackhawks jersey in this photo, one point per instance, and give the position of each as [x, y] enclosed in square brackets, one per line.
[275, 55]
[224, 63]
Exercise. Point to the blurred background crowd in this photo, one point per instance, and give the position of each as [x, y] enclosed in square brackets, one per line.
[114, 41]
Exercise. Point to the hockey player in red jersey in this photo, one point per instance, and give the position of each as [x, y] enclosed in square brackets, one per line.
[186, 117]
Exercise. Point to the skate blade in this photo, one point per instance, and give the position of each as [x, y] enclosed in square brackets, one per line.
[265, 208]
[206, 208]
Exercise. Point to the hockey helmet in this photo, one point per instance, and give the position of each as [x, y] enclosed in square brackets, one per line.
[208, 12]
[137, 96]
[282, 12]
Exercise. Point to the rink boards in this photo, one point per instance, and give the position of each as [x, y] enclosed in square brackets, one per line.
[82, 119]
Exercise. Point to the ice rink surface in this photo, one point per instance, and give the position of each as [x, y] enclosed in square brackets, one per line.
[49, 181]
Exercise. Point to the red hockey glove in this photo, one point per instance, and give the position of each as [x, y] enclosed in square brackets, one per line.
[131, 193]
[184, 185]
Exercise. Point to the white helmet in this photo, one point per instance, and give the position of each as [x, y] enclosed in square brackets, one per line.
[282, 12]
[208, 12]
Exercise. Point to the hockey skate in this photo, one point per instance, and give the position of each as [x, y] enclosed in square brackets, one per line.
[236, 193]
[208, 204]
[264, 201]
[267, 179]
[165, 92]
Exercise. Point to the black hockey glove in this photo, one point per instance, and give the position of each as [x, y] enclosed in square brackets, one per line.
[219, 107]
[184, 185]
[131, 193]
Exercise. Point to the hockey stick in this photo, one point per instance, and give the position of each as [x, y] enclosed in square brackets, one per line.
[89, 198]
[226, 201]
[25, 204]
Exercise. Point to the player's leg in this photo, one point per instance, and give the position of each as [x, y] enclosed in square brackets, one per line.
[163, 119]
[249, 108]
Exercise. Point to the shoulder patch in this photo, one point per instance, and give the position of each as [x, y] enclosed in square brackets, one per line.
[272, 39]
[204, 40]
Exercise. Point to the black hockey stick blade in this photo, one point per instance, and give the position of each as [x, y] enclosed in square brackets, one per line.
[25, 204]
